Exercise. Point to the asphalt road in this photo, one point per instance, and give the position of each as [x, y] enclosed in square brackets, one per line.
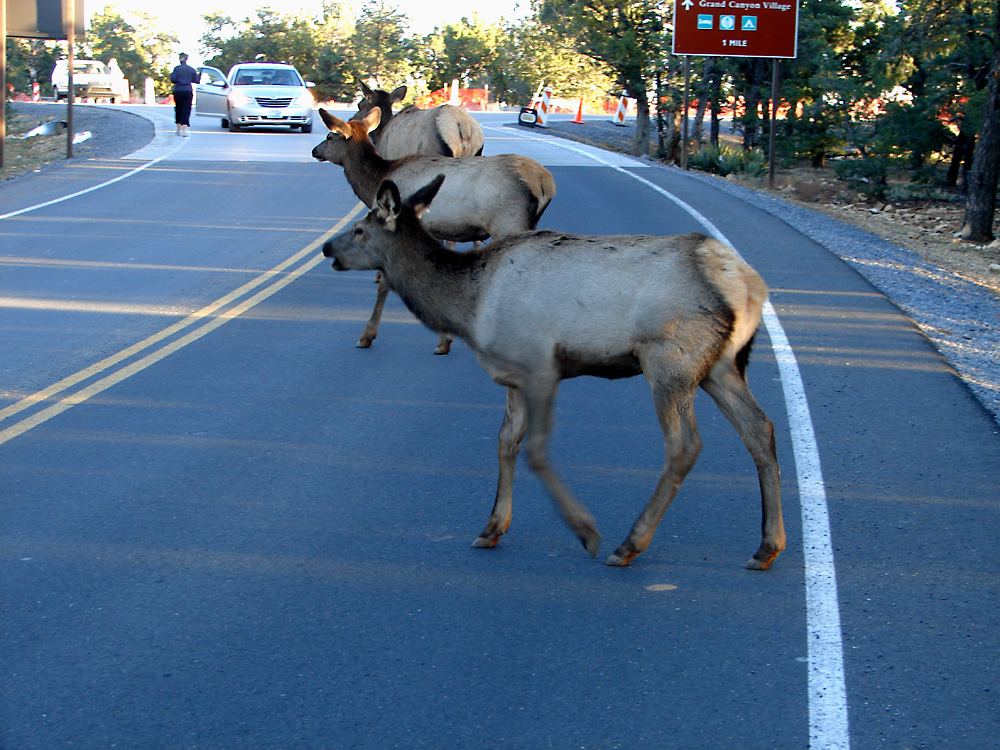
[223, 526]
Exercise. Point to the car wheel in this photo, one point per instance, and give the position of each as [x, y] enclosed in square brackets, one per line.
[233, 127]
[225, 122]
[307, 128]
[55, 91]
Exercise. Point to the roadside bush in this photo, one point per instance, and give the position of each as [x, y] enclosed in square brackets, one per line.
[868, 175]
[724, 160]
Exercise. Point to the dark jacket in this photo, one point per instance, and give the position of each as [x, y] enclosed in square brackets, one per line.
[183, 76]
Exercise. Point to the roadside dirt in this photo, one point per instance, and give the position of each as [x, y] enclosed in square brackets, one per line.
[926, 227]
[23, 155]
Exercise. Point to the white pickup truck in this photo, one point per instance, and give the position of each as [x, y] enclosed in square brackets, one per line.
[92, 79]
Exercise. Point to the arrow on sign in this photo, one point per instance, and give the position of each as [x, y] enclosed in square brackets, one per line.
[687, 4]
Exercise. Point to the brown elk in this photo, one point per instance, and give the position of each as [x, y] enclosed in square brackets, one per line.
[444, 130]
[484, 197]
[681, 310]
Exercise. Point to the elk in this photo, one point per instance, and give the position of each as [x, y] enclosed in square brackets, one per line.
[485, 196]
[544, 306]
[444, 130]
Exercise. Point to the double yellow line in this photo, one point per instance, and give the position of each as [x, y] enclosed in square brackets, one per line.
[206, 320]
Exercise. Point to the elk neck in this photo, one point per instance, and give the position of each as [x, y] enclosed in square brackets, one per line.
[440, 286]
[364, 170]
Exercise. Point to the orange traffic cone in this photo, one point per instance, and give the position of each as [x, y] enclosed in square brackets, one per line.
[579, 114]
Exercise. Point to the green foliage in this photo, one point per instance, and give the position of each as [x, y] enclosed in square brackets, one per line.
[137, 43]
[725, 160]
[869, 175]
[812, 135]
[28, 61]
[381, 49]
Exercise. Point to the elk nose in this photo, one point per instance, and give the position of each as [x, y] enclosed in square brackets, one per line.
[317, 155]
[328, 249]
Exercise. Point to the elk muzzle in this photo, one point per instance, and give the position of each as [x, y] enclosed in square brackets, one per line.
[345, 253]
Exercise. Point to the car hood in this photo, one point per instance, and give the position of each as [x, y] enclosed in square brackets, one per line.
[271, 92]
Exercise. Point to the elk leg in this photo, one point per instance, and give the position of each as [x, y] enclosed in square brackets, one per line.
[539, 399]
[675, 409]
[371, 328]
[730, 391]
[511, 434]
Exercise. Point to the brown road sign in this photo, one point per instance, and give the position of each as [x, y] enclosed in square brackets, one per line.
[739, 28]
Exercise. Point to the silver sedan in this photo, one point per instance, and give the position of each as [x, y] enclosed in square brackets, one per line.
[265, 94]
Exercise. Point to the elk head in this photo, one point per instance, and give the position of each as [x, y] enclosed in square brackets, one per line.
[392, 224]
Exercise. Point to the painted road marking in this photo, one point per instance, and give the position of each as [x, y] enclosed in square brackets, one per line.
[207, 320]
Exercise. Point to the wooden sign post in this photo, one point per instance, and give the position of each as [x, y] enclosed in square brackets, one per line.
[738, 28]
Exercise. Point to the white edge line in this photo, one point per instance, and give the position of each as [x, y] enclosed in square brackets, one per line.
[91, 189]
[828, 722]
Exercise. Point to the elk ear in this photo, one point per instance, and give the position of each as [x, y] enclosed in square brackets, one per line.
[334, 124]
[420, 201]
[366, 92]
[398, 95]
[372, 119]
[388, 204]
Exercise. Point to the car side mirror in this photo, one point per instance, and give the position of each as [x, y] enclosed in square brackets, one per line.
[310, 84]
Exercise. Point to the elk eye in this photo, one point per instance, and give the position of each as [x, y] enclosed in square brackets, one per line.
[358, 231]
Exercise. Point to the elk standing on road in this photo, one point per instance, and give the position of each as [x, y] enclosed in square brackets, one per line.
[484, 196]
[540, 307]
[445, 130]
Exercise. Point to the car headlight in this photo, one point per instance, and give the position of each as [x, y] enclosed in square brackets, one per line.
[305, 99]
[239, 99]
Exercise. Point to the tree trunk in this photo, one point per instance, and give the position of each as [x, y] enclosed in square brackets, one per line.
[757, 73]
[957, 157]
[704, 91]
[715, 108]
[981, 191]
[640, 146]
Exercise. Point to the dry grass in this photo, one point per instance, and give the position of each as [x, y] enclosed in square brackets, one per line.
[29, 154]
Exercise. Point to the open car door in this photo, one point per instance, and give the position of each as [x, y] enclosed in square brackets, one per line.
[210, 94]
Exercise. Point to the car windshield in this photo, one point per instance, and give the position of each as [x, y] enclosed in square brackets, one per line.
[267, 77]
[88, 68]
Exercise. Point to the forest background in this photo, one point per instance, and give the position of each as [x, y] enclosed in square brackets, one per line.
[901, 99]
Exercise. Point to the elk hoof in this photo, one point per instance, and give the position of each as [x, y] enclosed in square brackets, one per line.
[486, 542]
[622, 556]
[443, 348]
[763, 559]
[364, 344]
[619, 561]
[591, 540]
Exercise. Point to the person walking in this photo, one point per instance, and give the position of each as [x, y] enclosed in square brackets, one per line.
[182, 77]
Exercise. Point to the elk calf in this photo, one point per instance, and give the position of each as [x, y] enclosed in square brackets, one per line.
[484, 197]
[681, 310]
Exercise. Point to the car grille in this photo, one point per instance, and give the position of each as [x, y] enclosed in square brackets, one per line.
[266, 101]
